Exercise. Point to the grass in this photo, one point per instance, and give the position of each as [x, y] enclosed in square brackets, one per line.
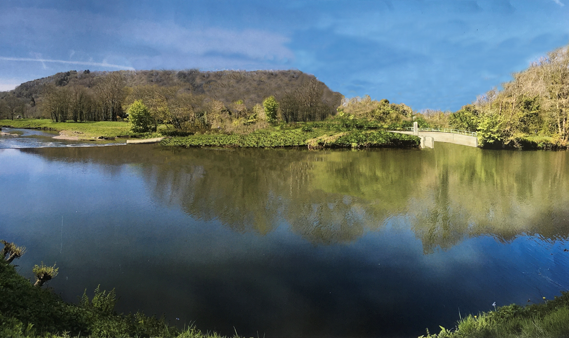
[83, 130]
[28, 311]
[547, 320]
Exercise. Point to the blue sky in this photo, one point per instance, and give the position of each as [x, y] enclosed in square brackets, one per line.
[425, 53]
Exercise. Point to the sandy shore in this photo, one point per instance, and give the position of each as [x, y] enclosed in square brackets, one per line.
[65, 135]
[7, 134]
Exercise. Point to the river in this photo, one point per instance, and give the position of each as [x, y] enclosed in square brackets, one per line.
[290, 242]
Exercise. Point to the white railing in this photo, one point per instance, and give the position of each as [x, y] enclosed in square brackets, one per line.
[448, 130]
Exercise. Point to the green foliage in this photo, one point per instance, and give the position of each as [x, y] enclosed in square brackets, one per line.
[27, 311]
[535, 102]
[357, 139]
[103, 301]
[139, 116]
[490, 129]
[271, 107]
[306, 135]
[549, 319]
[11, 251]
[465, 119]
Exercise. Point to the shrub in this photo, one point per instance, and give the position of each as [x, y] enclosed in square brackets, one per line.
[140, 117]
[271, 107]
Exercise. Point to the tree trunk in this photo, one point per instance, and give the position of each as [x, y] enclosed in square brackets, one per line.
[11, 258]
[42, 280]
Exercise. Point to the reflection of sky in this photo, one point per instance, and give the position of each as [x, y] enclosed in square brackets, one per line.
[103, 226]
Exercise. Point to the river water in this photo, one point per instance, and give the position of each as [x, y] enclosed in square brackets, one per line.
[290, 242]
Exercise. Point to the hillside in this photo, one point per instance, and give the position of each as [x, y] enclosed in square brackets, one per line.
[248, 88]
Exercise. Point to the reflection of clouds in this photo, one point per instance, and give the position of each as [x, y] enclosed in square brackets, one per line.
[448, 195]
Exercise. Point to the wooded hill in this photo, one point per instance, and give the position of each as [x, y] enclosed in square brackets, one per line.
[189, 95]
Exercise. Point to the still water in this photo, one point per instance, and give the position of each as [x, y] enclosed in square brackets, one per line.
[283, 243]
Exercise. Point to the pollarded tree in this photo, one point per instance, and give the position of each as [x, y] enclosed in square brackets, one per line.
[44, 274]
[11, 251]
[139, 116]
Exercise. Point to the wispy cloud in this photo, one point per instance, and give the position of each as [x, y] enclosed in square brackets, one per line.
[83, 63]
[249, 43]
[7, 86]
[559, 3]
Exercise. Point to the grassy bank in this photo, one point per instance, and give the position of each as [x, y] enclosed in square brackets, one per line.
[28, 311]
[314, 138]
[82, 130]
[312, 135]
[547, 320]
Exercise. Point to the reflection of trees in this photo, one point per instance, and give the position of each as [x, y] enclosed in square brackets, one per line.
[503, 194]
[329, 197]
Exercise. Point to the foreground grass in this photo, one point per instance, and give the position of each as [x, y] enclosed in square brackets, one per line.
[28, 311]
[547, 320]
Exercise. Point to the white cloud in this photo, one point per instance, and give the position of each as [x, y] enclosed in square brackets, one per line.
[559, 3]
[83, 63]
[250, 43]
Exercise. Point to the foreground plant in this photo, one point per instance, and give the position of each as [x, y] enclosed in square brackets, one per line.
[44, 274]
[548, 319]
[11, 251]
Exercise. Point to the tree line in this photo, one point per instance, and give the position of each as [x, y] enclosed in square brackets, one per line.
[534, 106]
[186, 100]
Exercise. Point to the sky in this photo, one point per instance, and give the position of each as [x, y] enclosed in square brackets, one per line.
[428, 54]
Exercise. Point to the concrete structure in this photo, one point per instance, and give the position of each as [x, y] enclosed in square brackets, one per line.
[145, 140]
[429, 137]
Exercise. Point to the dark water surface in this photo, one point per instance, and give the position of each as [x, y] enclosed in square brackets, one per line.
[284, 243]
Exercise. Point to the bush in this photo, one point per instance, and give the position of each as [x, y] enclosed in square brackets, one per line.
[271, 107]
[140, 117]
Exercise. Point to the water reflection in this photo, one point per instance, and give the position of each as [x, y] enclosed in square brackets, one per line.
[292, 242]
[447, 194]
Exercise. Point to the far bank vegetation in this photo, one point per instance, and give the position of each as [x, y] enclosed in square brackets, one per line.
[187, 101]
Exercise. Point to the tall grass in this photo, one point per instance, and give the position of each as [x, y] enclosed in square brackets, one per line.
[547, 320]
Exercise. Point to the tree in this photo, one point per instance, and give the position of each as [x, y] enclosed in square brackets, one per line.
[306, 103]
[111, 94]
[11, 251]
[271, 107]
[44, 274]
[14, 106]
[140, 117]
[465, 119]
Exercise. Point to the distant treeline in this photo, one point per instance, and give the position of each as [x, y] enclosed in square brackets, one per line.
[182, 98]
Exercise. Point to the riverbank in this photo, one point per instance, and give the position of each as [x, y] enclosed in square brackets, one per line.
[549, 319]
[29, 311]
[74, 130]
[313, 136]
[298, 138]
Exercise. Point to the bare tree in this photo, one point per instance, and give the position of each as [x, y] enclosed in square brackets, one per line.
[111, 93]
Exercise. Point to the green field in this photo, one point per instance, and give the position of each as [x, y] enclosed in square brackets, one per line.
[83, 130]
